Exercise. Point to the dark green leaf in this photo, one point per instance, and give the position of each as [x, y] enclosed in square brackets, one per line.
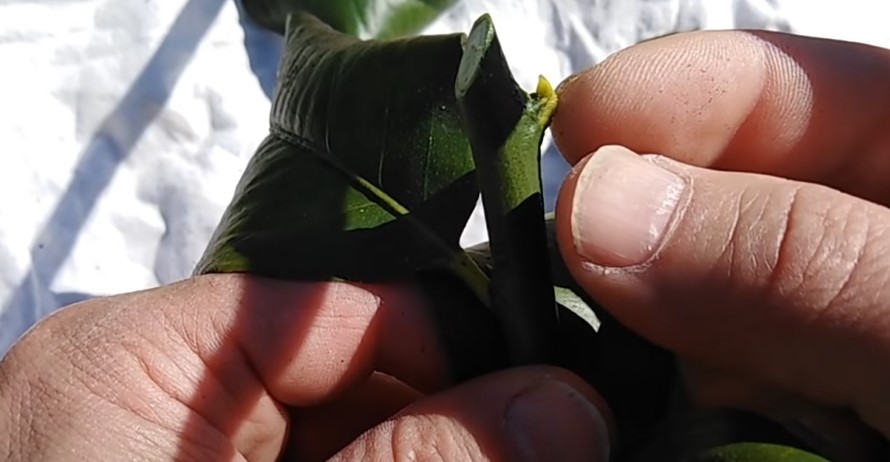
[700, 434]
[756, 452]
[367, 173]
[360, 18]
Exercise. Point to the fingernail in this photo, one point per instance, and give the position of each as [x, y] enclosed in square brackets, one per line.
[622, 207]
[553, 421]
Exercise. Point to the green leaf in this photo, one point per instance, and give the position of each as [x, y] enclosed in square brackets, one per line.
[707, 434]
[576, 304]
[361, 18]
[756, 452]
[367, 174]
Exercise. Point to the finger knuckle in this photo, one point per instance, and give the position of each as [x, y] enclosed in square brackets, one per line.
[757, 232]
[820, 250]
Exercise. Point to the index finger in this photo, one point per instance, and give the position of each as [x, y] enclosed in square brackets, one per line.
[799, 107]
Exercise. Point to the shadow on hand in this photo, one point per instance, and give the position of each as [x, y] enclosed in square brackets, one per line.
[273, 321]
[340, 362]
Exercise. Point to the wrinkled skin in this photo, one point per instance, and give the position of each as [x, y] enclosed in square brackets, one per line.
[770, 274]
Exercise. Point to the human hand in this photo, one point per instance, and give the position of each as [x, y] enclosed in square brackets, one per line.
[225, 367]
[229, 367]
[774, 291]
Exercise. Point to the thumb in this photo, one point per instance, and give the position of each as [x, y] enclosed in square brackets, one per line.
[780, 281]
[525, 414]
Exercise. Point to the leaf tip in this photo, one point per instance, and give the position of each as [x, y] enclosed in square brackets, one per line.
[549, 99]
[544, 90]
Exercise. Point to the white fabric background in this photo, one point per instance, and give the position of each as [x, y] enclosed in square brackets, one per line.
[125, 124]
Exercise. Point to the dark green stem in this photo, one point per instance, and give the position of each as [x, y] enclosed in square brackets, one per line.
[505, 127]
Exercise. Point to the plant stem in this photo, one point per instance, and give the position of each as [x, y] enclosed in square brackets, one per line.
[505, 127]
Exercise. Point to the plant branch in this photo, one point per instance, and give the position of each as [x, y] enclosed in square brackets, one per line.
[505, 126]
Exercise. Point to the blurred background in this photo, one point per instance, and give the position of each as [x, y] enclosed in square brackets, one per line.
[125, 124]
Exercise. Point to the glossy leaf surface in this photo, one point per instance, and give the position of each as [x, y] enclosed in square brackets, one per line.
[367, 173]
